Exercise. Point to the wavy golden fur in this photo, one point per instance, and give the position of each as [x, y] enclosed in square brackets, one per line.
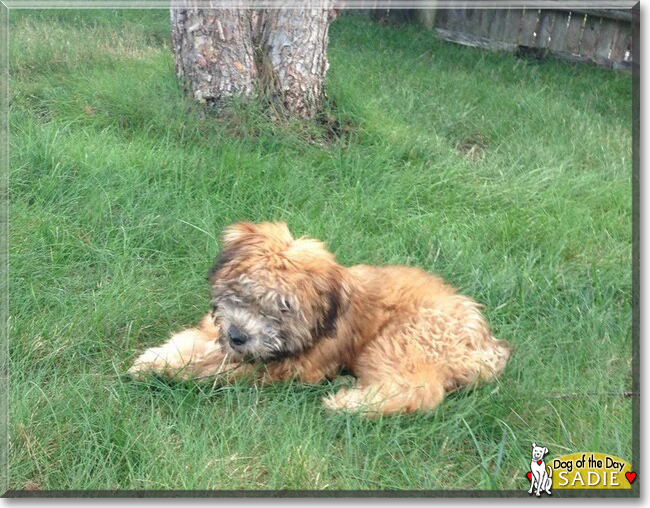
[283, 308]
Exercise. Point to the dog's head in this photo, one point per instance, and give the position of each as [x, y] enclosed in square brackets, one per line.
[539, 452]
[275, 296]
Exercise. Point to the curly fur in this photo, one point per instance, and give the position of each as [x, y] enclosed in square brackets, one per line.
[406, 335]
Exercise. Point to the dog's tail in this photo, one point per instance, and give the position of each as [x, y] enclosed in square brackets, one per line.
[550, 471]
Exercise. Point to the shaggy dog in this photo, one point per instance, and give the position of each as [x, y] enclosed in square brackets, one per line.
[283, 308]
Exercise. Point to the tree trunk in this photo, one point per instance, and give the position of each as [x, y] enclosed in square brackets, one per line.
[294, 49]
[279, 53]
[213, 51]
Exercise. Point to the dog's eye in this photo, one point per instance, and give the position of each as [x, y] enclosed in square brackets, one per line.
[270, 317]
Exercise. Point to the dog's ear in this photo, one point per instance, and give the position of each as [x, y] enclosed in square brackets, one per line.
[226, 255]
[545, 450]
[274, 233]
[534, 445]
[335, 303]
[233, 241]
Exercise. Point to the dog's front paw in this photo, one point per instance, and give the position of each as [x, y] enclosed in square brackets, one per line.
[353, 400]
[187, 355]
[345, 400]
[155, 361]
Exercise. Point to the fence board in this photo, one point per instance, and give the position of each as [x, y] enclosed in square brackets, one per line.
[546, 22]
[498, 27]
[441, 18]
[623, 42]
[605, 38]
[528, 27]
[590, 37]
[455, 19]
[472, 21]
[574, 32]
[486, 20]
[513, 25]
[559, 32]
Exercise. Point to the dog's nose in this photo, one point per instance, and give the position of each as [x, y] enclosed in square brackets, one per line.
[237, 337]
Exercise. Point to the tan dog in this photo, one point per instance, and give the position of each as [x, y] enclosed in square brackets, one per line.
[282, 308]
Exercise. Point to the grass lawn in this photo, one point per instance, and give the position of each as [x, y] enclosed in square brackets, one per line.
[510, 178]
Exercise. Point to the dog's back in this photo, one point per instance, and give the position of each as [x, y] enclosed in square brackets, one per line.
[402, 286]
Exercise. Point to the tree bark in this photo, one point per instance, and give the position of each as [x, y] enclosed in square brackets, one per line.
[213, 51]
[280, 53]
[294, 52]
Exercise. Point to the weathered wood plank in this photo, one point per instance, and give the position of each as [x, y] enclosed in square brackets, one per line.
[590, 37]
[513, 26]
[618, 14]
[584, 60]
[471, 21]
[546, 22]
[487, 15]
[442, 17]
[498, 27]
[455, 19]
[559, 32]
[528, 27]
[574, 33]
[426, 18]
[606, 36]
[622, 42]
[473, 40]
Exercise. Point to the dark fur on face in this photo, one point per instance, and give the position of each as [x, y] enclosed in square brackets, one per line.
[274, 296]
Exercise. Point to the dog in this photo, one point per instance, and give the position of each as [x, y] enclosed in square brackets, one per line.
[283, 308]
[541, 478]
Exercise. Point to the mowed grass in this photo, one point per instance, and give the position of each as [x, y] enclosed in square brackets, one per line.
[509, 178]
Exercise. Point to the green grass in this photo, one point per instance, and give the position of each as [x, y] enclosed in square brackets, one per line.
[119, 188]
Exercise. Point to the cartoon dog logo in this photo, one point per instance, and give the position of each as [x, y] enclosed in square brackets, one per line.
[540, 478]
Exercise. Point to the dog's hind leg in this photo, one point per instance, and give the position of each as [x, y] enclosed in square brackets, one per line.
[420, 391]
[416, 359]
[186, 355]
[549, 480]
[385, 399]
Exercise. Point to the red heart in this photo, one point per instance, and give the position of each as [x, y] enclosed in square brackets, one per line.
[539, 462]
[630, 476]
[530, 476]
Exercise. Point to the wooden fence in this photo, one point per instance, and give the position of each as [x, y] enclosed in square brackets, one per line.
[603, 37]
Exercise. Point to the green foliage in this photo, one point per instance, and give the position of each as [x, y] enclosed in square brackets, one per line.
[509, 178]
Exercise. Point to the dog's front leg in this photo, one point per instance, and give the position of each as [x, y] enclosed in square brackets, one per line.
[189, 354]
[540, 483]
